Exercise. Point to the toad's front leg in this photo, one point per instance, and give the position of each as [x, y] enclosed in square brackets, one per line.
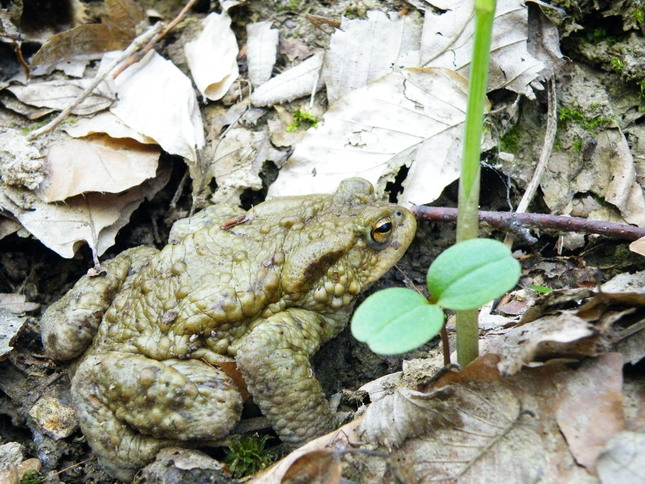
[274, 360]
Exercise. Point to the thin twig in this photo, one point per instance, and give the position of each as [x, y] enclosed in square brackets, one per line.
[516, 221]
[547, 149]
[133, 47]
[140, 54]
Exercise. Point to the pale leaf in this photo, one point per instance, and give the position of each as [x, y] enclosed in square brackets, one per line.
[107, 123]
[98, 164]
[212, 56]
[296, 82]
[448, 38]
[638, 246]
[261, 51]
[10, 327]
[59, 94]
[93, 218]
[157, 100]
[361, 51]
[408, 117]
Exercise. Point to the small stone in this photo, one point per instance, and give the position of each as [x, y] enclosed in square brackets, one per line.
[56, 419]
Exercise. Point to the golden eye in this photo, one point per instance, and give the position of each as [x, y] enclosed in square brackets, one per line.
[381, 230]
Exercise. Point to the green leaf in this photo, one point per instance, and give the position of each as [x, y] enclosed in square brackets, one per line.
[396, 320]
[472, 273]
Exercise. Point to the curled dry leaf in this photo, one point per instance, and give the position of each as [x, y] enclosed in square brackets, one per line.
[118, 29]
[157, 100]
[569, 329]
[94, 218]
[97, 164]
[261, 51]
[212, 56]
[59, 94]
[105, 122]
[301, 80]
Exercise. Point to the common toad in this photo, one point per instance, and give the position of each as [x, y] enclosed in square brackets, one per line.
[264, 288]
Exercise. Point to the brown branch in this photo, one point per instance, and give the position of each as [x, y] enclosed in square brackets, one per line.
[517, 222]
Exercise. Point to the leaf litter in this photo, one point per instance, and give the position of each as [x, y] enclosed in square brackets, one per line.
[522, 414]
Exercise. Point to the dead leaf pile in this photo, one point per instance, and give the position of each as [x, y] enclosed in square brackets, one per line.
[553, 405]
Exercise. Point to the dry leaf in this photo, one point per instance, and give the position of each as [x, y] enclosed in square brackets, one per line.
[316, 467]
[261, 51]
[97, 164]
[212, 56]
[94, 218]
[447, 42]
[301, 80]
[237, 162]
[575, 323]
[116, 32]
[638, 246]
[16, 303]
[11, 325]
[21, 163]
[622, 459]
[59, 94]
[408, 117]
[586, 441]
[361, 51]
[105, 122]
[157, 100]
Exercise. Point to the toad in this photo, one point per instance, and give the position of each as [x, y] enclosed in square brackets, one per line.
[262, 290]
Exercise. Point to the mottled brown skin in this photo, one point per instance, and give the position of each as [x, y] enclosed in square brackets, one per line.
[264, 288]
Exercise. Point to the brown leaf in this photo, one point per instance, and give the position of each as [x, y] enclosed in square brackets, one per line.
[317, 467]
[116, 32]
[589, 407]
[96, 164]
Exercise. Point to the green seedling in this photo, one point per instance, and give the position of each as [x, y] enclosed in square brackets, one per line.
[463, 277]
[302, 120]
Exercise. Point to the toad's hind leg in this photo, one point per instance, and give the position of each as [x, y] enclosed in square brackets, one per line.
[130, 406]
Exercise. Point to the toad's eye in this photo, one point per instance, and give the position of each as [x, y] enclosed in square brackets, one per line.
[381, 230]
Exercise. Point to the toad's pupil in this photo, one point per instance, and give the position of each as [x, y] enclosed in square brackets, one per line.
[383, 228]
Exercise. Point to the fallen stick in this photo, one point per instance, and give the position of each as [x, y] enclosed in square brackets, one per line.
[517, 222]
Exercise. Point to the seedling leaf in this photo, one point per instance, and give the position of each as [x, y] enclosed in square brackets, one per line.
[396, 320]
[472, 273]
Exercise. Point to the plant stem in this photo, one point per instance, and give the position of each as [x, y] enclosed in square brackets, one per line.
[467, 222]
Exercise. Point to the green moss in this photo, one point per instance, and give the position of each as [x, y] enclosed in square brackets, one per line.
[577, 145]
[510, 142]
[587, 122]
[32, 476]
[302, 120]
[247, 455]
